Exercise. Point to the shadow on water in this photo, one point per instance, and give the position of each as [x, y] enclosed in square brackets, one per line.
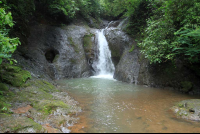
[111, 106]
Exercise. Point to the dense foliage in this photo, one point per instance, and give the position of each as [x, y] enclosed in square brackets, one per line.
[113, 9]
[89, 8]
[173, 31]
[56, 9]
[7, 45]
[137, 11]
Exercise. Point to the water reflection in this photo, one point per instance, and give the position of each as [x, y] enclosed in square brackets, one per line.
[112, 106]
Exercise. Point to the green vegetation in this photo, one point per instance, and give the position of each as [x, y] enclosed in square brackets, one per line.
[186, 86]
[13, 75]
[20, 125]
[48, 106]
[112, 9]
[75, 46]
[172, 31]
[87, 42]
[89, 8]
[7, 45]
[56, 58]
[132, 48]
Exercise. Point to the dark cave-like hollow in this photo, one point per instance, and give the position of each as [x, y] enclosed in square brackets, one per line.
[51, 54]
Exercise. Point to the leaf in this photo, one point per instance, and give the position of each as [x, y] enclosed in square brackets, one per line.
[11, 62]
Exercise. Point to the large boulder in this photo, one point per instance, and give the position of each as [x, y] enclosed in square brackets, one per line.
[118, 41]
[124, 53]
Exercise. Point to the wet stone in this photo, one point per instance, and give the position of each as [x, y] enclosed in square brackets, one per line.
[188, 109]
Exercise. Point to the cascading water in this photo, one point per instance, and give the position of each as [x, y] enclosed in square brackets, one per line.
[105, 67]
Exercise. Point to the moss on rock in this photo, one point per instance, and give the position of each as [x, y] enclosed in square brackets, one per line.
[48, 106]
[41, 84]
[75, 46]
[88, 45]
[132, 48]
[115, 50]
[186, 86]
[56, 58]
[14, 75]
[187, 109]
[87, 41]
[14, 124]
[3, 87]
[32, 94]
[35, 90]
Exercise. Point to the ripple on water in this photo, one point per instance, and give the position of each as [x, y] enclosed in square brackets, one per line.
[116, 107]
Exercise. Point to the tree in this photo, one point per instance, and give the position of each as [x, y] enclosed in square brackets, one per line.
[112, 9]
[7, 45]
[173, 32]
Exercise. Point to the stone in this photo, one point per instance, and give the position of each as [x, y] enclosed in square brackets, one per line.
[190, 112]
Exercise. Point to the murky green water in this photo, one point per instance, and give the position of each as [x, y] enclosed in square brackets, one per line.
[116, 107]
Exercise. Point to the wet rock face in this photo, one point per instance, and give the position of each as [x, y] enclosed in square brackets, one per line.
[91, 50]
[55, 52]
[117, 41]
[168, 75]
[125, 60]
[128, 67]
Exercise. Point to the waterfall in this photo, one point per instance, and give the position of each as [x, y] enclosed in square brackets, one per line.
[105, 67]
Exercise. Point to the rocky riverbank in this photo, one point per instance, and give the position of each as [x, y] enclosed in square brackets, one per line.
[36, 105]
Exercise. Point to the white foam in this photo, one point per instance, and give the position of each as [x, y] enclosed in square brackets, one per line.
[107, 76]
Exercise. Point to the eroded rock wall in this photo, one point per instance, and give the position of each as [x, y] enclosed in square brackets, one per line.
[55, 52]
